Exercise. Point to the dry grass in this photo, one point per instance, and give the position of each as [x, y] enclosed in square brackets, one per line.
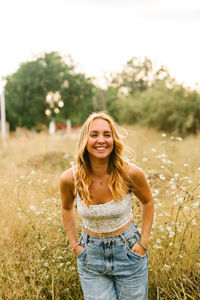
[36, 262]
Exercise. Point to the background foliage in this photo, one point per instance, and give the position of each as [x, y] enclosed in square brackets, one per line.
[26, 91]
[140, 93]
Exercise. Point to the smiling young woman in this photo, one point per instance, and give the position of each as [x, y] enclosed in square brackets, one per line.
[111, 252]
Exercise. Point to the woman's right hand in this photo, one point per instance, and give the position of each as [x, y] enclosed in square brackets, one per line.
[78, 250]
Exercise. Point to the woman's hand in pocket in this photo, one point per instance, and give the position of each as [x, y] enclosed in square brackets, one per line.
[78, 250]
[138, 249]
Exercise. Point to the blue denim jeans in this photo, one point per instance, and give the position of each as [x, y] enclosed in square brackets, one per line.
[110, 270]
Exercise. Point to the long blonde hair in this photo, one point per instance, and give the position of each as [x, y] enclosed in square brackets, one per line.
[116, 183]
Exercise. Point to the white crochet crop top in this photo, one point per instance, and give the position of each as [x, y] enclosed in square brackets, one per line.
[107, 217]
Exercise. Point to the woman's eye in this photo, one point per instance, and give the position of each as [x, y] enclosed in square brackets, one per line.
[107, 135]
[93, 135]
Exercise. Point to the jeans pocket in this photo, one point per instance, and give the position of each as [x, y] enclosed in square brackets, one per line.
[134, 254]
[82, 254]
[129, 243]
[82, 244]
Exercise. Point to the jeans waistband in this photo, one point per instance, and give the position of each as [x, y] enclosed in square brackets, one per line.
[117, 238]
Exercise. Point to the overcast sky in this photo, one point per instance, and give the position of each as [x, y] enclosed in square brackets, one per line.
[102, 35]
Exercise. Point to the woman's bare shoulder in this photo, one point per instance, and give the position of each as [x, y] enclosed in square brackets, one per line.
[67, 188]
[133, 171]
[66, 178]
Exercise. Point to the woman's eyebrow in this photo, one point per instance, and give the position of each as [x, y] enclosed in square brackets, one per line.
[93, 131]
[107, 131]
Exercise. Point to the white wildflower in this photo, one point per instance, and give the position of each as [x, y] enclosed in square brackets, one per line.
[186, 208]
[45, 181]
[168, 228]
[157, 246]
[166, 214]
[144, 159]
[162, 177]
[171, 234]
[153, 150]
[167, 267]
[163, 135]
[180, 199]
[196, 204]
[164, 160]
[46, 264]
[186, 165]
[32, 207]
[32, 172]
[60, 257]
[179, 139]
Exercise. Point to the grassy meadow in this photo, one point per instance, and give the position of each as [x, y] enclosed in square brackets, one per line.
[35, 257]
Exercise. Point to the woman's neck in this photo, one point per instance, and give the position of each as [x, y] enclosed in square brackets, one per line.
[99, 168]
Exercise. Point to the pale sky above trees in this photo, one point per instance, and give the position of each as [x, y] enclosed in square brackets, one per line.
[102, 35]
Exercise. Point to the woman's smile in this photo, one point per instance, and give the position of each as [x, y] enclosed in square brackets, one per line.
[100, 148]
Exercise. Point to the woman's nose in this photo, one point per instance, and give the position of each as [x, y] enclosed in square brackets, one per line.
[101, 138]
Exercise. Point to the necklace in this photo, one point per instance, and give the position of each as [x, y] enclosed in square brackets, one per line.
[101, 183]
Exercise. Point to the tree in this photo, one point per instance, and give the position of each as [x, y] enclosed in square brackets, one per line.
[139, 74]
[27, 88]
[171, 108]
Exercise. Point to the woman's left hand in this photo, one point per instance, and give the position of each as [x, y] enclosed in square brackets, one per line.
[138, 249]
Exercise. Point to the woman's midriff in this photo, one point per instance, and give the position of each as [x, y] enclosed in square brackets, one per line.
[117, 232]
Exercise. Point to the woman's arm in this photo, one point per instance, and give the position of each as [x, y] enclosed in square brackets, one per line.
[142, 191]
[68, 213]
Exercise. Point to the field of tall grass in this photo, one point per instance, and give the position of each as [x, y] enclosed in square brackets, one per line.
[35, 257]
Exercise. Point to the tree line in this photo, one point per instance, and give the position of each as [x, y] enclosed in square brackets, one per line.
[140, 93]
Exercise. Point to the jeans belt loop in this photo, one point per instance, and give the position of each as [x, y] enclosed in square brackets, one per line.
[88, 239]
[123, 238]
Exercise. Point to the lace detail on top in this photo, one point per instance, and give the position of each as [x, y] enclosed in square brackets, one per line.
[107, 217]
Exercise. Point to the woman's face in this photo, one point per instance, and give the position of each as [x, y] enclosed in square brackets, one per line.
[100, 140]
